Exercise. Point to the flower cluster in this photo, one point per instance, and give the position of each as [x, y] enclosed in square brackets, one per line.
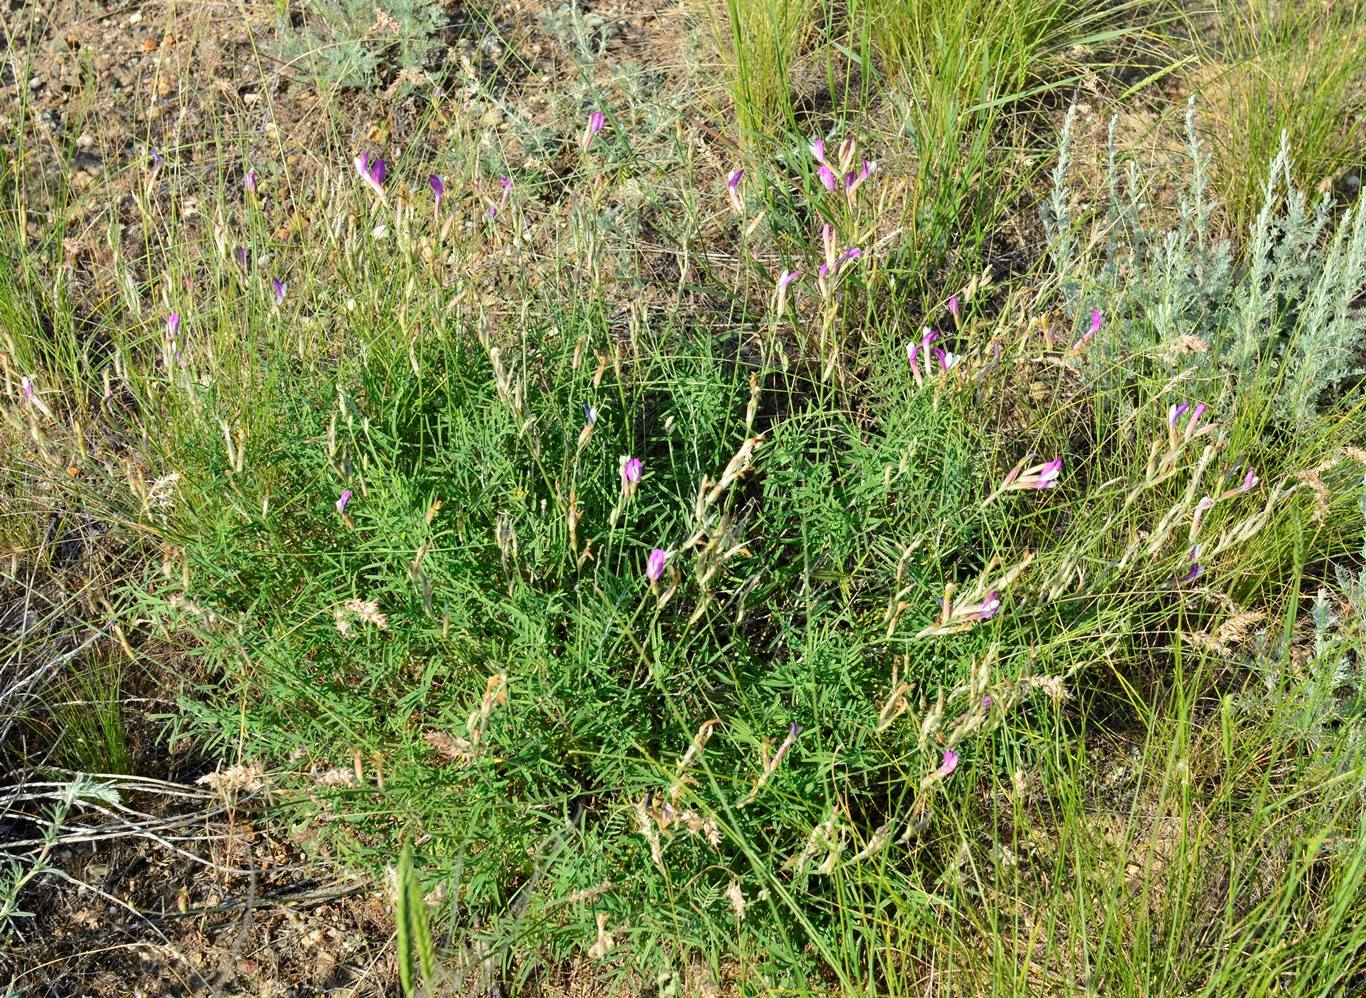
[835, 260]
[847, 173]
[926, 360]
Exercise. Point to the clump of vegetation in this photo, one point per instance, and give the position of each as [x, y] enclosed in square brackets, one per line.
[359, 44]
[1285, 311]
[619, 547]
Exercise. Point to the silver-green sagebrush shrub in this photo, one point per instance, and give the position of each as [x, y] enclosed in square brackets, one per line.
[1280, 311]
[356, 44]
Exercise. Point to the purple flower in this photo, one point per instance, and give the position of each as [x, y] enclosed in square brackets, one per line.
[438, 188]
[1096, 320]
[278, 289]
[912, 351]
[249, 181]
[595, 122]
[157, 159]
[832, 269]
[1194, 572]
[852, 181]
[817, 148]
[827, 178]
[243, 256]
[26, 386]
[344, 500]
[784, 280]
[1047, 475]
[949, 764]
[953, 305]
[990, 605]
[372, 172]
[733, 190]
[654, 565]
[631, 470]
[590, 414]
[1193, 427]
[986, 702]
[1249, 480]
[173, 326]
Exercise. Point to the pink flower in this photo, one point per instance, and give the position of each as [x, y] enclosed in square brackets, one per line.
[827, 178]
[912, 352]
[344, 500]
[631, 471]
[1193, 425]
[817, 148]
[784, 280]
[1249, 480]
[1096, 320]
[990, 605]
[654, 565]
[26, 386]
[1041, 476]
[173, 326]
[953, 305]
[949, 764]
[372, 172]
[595, 122]
[1046, 475]
[852, 181]
[733, 190]
[946, 358]
[249, 181]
